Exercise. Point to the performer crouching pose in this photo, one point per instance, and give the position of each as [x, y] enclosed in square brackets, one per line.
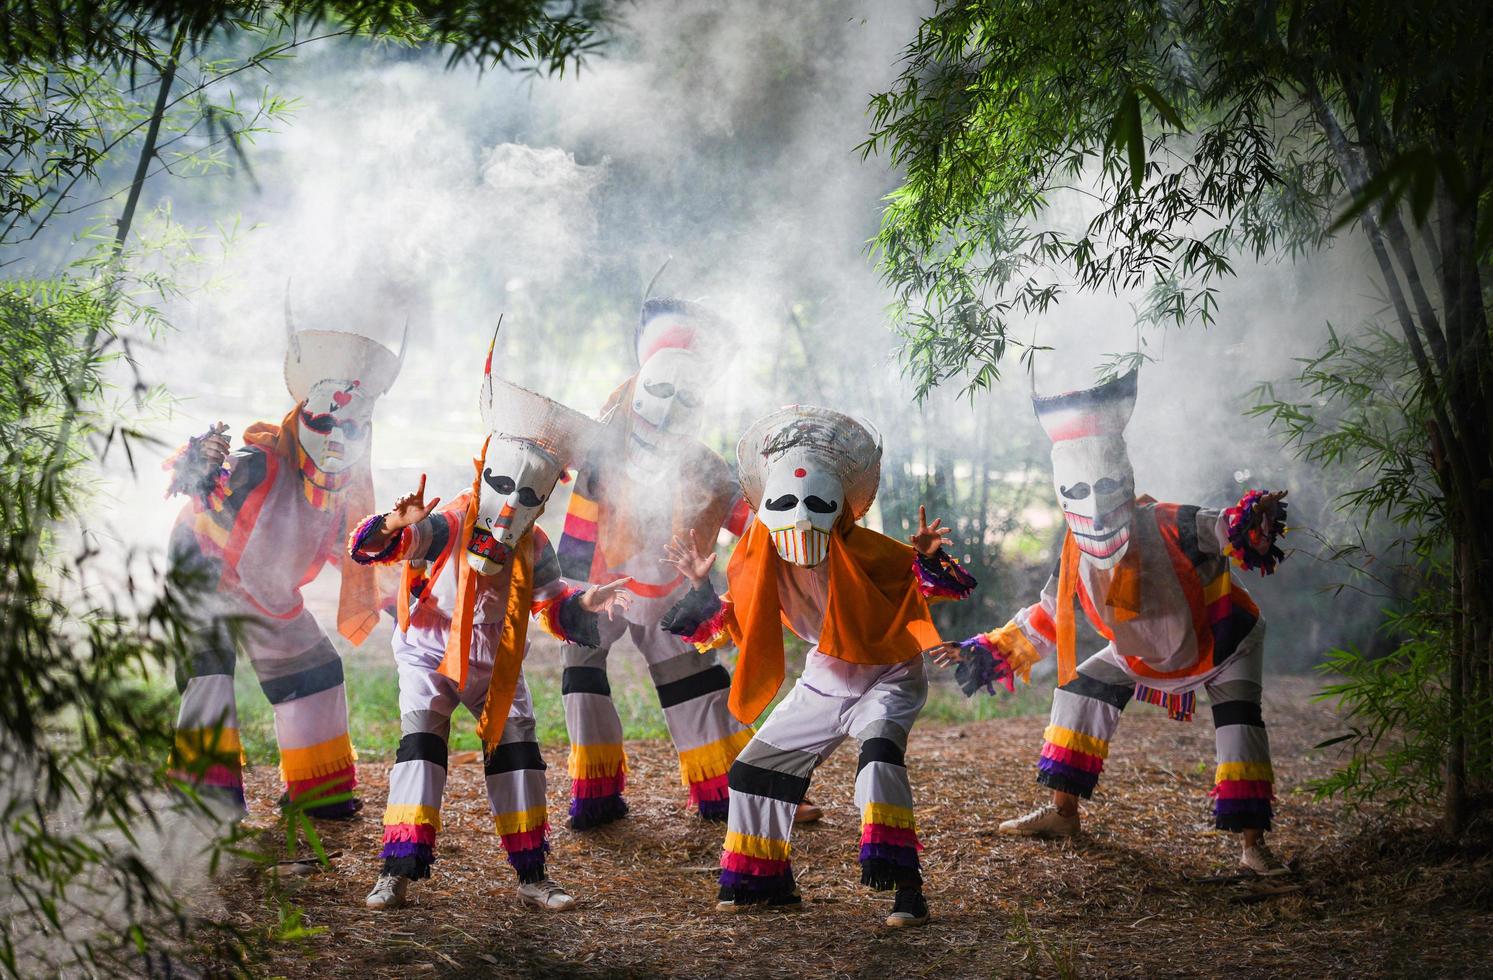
[262, 523]
[861, 599]
[1154, 580]
[474, 572]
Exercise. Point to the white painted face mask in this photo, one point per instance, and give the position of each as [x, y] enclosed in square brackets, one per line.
[1096, 489]
[335, 425]
[801, 501]
[665, 412]
[517, 480]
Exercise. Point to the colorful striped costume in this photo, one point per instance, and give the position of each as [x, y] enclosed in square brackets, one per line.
[265, 529]
[1176, 621]
[614, 528]
[427, 698]
[832, 700]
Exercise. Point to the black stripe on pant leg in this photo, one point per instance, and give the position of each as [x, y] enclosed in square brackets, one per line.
[744, 777]
[512, 756]
[880, 750]
[1237, 713]
[694, 686]
[585, 680]
[305, 683]
[1083, 685]
[422, 747]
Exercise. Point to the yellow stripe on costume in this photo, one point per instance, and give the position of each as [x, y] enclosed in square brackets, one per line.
[715, 642]
[414, 814]
[586, 510]
[1251, 771]
[1218, 588]
[1019, 652]
[766, 848]
[595, 761]
[521, 820]
[712, 759]
[211, 529]
[321, 759]
[1077, 741]
[192, 744]
[888, 815]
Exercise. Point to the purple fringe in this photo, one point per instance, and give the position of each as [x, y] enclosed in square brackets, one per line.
[941, 577]
[1242, 814]
[596, 811]
[747, 889]
[408, 848]
[714, 810]
[336, 811]
[1066, 778]
[1240, 517]
[907, 857]
[529, 864]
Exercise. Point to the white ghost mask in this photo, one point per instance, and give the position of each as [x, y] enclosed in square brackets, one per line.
[517, 479]
[335, 424]
[666, 412]
[1096, 489]
[801, 501]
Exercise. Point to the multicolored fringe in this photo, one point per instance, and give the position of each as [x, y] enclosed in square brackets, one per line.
[941, 578]
[409, 839]
[1241, 550]
[1071, 761]
[755, 870]
[1242, 795]
[703, 770]
[1179, 706]
[211, 760]
[711, 634]
[548, 614]
[189, 477]
[367, 526]
[699, 618]
[321, 488]
[983, 665]
[321, 771]
[598, 775]
[889, 847]
[525, 837]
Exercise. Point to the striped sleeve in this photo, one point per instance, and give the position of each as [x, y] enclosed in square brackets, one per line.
[215, 516]
[424, 541]
[577, 549]
[557, 601]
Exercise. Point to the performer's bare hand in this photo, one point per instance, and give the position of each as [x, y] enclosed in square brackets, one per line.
[685, 554]
[611, 598]
[409, 509]
[929, 537]
[215, 446]
[1263, 519]
[947, 654]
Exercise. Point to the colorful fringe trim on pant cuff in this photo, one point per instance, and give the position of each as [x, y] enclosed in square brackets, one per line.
[341, 783]
[1067, 768]
[218, 782]
[703, 770]
[889, 854]
[1179, 706]
[752, 881]
[409, 850]
[526, 848]
[1242, 795]
[598, 776]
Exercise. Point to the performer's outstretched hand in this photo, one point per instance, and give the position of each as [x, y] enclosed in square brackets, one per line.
[1263, 520]
[214, 447]
[929, 537]
[611, 598]
[946, 654]
[409, 509]
[685, 554]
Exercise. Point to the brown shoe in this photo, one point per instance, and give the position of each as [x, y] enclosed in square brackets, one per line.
[808, 812]
[1045, 821]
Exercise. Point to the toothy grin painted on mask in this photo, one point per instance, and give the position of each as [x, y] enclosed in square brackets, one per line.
[487, 554]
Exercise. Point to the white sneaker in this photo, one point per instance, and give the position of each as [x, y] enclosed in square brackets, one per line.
[1045, 821]
[545, 894]
[1262, 861]
[388, 892]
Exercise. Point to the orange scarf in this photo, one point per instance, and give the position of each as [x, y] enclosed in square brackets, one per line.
[1124, 597]
[360, 597]
[876, 613]
[508, 659]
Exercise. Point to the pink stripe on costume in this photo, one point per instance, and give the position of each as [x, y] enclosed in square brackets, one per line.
[1072, 757]
[746, 864]
[710, 789]
[1244, 789]
[580, 528]
[526, 840]
[875, 833]
[585, 789]
[420, 833]
[342, 781]
[214, 775]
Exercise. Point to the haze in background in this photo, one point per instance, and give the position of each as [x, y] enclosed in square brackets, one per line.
[723, 135]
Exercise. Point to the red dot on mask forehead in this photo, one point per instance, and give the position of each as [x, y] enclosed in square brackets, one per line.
[800, 472]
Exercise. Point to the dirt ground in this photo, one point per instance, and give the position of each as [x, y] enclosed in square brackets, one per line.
[1122, 899]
